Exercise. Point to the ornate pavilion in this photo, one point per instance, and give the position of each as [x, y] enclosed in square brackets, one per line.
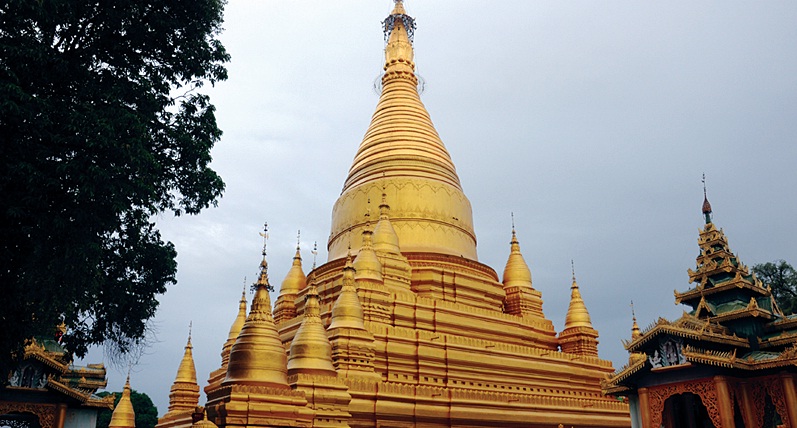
[731, 361]
[402, 326]
[47, 391]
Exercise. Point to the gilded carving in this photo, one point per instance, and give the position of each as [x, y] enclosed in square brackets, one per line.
[45, 412]
[703, 388]
[759, 388]
[774, 388]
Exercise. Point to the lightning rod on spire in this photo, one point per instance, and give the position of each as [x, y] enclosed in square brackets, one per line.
[315, 253]
[573, 269]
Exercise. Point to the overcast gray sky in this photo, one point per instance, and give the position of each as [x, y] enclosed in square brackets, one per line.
[591, 121]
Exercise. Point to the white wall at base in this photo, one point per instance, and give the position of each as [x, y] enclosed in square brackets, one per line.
[633, 405]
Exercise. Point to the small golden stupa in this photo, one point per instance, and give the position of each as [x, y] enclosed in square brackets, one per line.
[123, 415]
[403, 326]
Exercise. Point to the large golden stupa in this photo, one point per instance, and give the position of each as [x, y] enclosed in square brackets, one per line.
[403, 326]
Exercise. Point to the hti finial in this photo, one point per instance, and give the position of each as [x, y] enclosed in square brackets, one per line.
[706, 205]
[298, 238]
[243, 294]
[512, 214]
[264, 234]
[315, 252]
[573, 270]
[633, 315]
[263, 277]
[398, 13]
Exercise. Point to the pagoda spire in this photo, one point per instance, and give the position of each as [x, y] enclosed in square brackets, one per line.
[366, 264]
[706, 205]
[258, 357]
[347, 310]
[295, 281]
[577, 315]
[521, 297]
[123, 415]
[516, 271]
[578, 336]
[310, 351]
[235, 328]
[311, 371]
[384, 235]
[218, 375]
[353, 348]
[402, 146]
[184, 394]
[635, 332]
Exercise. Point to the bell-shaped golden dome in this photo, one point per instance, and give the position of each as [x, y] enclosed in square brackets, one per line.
[123, 415]
[311, 352]
[402, 155]
[516, 271]
[347, 312]
[204, 423]
[577, 315]
[295, 280]
[258, 357]
[366, 264]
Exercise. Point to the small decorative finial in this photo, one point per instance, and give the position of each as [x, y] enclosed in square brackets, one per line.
[298, 238]
[264, 234]
[263, 276]
[706, 205]
[573, 269]
[512, 214]
[315, 253]
[190, 329]
[633, 315]
[243, 294]
[368, 214]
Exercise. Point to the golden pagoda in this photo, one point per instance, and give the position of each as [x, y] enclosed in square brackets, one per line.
[184, 395]
[123, 415]
[403, 326]
[730, 361]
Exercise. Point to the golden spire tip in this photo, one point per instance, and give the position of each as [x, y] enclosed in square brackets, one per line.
[573, 270]
[706, 205]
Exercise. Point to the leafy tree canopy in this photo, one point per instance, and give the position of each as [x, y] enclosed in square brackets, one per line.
[782, 277]
[102, 126]
[146, 412]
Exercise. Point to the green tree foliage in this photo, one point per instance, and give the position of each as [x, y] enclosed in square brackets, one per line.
[782, 277]
[102, 127]
[146, 412]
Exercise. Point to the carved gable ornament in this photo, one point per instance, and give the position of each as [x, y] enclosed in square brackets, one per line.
[668, 353]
